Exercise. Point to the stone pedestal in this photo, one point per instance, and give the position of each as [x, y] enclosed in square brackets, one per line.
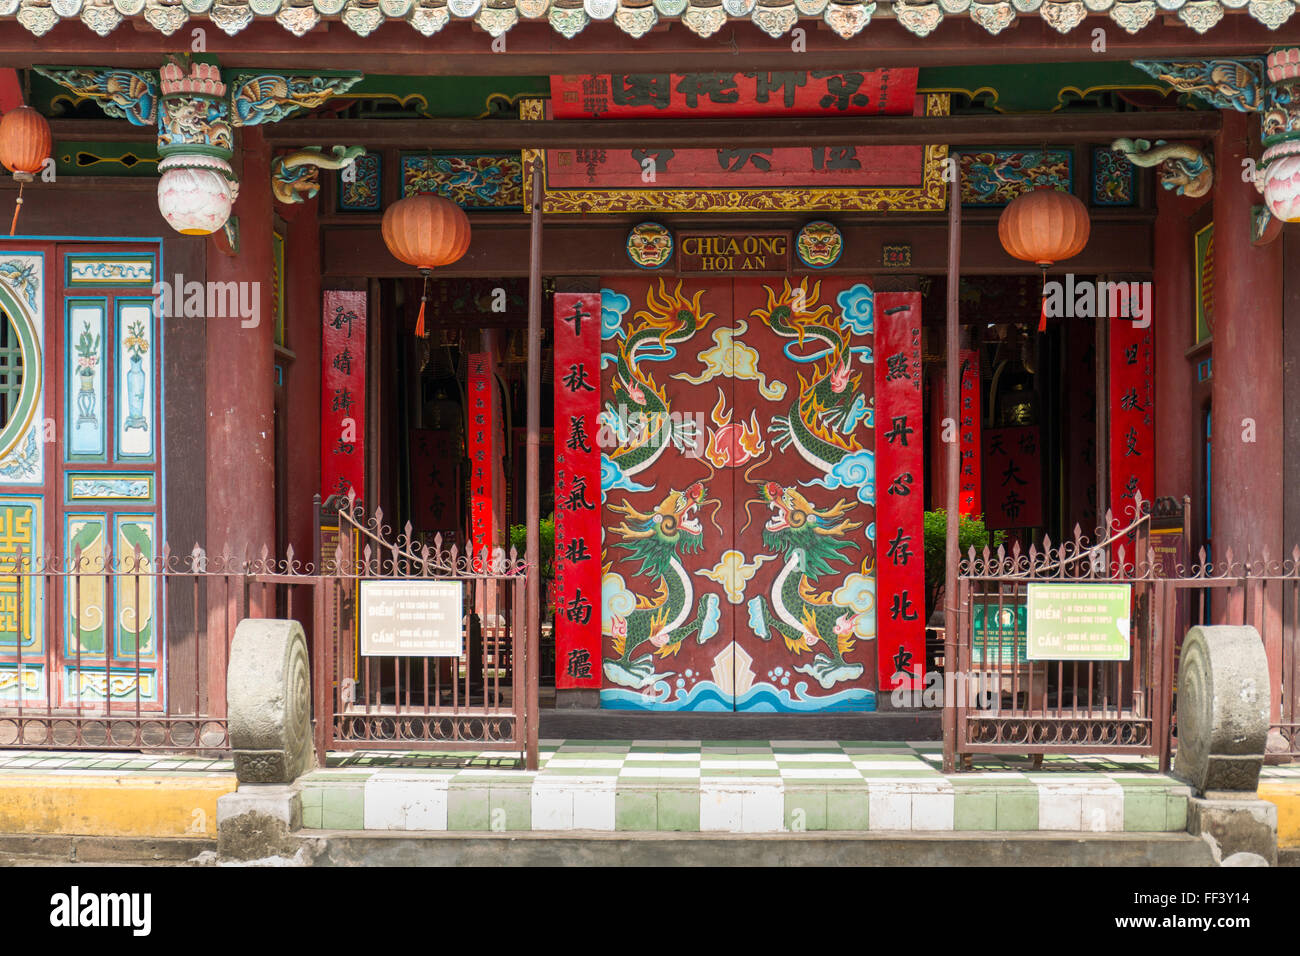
[1223, 715]
[258, 821]
[1234, 824]
[269, 694]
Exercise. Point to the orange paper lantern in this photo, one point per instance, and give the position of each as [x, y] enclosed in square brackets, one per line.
[1044, 227]
[25, 145]
[425, 231]
[25, 142]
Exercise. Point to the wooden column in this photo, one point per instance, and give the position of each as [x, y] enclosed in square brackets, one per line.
[1246, 455]
[241, 395]
[1177, 437]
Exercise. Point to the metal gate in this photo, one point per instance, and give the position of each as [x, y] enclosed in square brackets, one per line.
[475, 702]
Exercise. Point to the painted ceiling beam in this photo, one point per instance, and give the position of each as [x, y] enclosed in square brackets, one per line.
[1056, 128]
[534, 49]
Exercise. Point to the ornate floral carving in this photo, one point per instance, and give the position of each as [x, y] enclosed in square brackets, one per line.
[993, 17]
[919, 19]
[776, 21]
[848, 20]
[1063, 17]
[101, 16]
[1200, 15]
[497, 20]
[636, 22]
[165, 17]
[1133, 15]
[1272, 13]
[230, 17]
[298, 19]
[64, 8]
[704, 21]
[362, 18]
[428, 19]
[122, 94]
[568, 22]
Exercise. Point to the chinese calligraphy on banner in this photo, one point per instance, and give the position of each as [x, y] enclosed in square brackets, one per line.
[1132, 409]
[577, 490]
[343, 393]
[968, 502]
[900, 546]
[1013, 478]
[481, 447]
[435, 484]
[791, 93]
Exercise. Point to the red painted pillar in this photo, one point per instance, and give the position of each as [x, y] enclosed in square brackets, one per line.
[1177, 417]
[1246, 454]
[302, 382]
[241, 397]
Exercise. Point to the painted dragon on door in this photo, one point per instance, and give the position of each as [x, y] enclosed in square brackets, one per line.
[658, 540]
[727, 404]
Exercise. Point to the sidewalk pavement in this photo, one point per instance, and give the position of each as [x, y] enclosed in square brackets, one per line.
[629, 786]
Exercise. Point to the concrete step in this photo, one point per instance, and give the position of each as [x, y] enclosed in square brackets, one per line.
[584, 724]
[847, 848]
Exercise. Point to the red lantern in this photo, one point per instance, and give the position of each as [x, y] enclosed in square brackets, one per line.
[25, 145]
[1044, 227]
[425, 231]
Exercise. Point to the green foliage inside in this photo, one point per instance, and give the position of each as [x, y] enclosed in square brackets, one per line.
[546, 545]
[971, 533]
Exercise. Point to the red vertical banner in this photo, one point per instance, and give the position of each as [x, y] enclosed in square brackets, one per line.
[1013, 477]
[969, 501]
[1132, 418]
[577, 490]
[900, 538]
[435, 488]
[343, 393]
[481, 446]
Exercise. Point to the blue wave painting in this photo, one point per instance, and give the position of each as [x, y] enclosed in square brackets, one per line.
[707, 696]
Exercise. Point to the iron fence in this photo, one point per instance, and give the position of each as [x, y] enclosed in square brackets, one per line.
[126, 651]
[1127, 706]
[398, 702]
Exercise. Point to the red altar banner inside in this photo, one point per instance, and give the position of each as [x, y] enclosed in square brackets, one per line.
[1013, 477]
[900, 537]
[577, 490]
[481, 448]
[343, 393]
[435, 484]
[628, 95]
[1132, 418]
[969, 497]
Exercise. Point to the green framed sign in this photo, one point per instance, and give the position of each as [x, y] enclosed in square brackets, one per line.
[1079, 622]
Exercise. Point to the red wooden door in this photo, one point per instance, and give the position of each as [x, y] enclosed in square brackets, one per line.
[738, 491]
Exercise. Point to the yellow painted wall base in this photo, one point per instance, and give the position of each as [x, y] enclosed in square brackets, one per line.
[1287, 798]
[132, 805]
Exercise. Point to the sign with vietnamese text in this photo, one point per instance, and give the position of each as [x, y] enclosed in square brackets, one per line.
[413, 618]
[709, 253]
[1079, 622]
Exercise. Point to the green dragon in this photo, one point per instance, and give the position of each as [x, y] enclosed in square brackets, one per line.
[810, 540]
[830, 403]
[656, 540]
[641, 423]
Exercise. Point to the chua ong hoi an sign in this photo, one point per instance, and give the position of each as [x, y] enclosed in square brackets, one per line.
[754, 253]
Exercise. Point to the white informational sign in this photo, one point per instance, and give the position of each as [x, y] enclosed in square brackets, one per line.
[411, 618]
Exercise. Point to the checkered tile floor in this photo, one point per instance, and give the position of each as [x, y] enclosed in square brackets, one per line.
[742, 786]
[713, 785]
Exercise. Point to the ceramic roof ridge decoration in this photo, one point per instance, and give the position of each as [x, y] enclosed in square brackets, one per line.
[776, 18]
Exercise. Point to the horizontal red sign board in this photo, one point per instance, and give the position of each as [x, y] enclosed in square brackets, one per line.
[791, 93]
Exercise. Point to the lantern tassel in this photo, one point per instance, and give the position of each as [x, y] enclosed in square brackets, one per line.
[424, 298]
[18, 207]
[1042, 312]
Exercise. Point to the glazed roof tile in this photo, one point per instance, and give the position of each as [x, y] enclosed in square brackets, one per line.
[634, 17]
